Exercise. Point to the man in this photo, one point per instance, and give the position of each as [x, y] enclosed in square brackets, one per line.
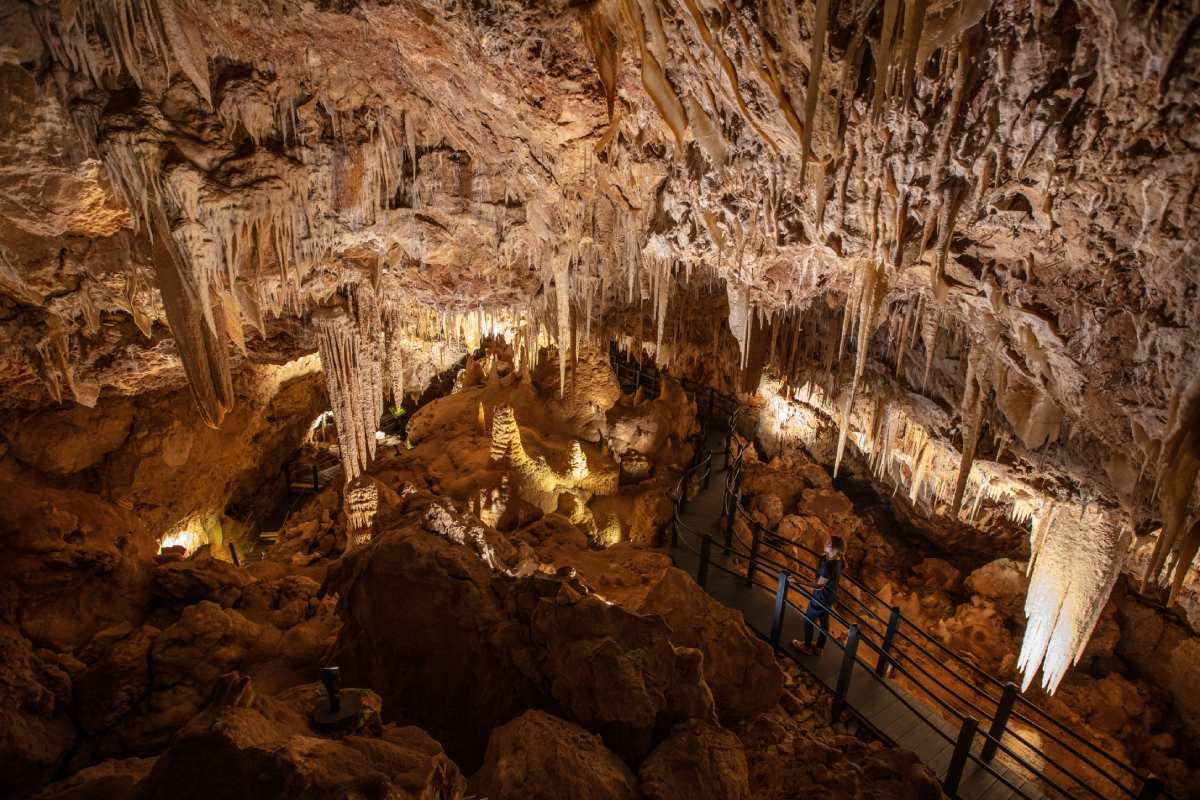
[829, 569]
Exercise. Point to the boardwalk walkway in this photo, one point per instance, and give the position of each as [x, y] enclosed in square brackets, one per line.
[888, 710]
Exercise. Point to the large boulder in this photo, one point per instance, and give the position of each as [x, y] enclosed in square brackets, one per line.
[1164, 652]
[437, 623]
[70, 440]
[114, 779]
[794, 757]
[979, 630]
[247, 746]
[938, 575]
[739, 667]
[699, 761]
[538, 756]
[134, 706]
[424, 628]
[1004, 582]
[116, 678]
[200, 577]
[73, 563]
[616, 672]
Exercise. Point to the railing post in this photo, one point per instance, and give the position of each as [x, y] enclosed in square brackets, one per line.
[683, 496]
[237, 562]
[729, 523]
[674, 531]
[1151, 789]
[780, 607]
[705, 556]
[754, 539]
[1000, 721]
[845, 671]
[962, 749]
[889, 637]
[316, 479]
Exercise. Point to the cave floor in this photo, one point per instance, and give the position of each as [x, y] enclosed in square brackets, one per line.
[926, 733]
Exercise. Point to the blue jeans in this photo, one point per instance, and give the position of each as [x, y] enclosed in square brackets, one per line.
[816, 613]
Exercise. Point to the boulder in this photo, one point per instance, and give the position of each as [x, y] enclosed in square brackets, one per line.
[1166, 653]
[247, 746]
[699, 761]
[808, 532]
[424, 628]
[739, 667]
[1004, 582]
[831, 507]
[770, 506]
[116, 678]
[114, 779]
[200, 577]
[73, 563]
[979, 630]
[538, 756]
[73, 439]
[938, 575]
[435, 627]
[615, 672]
[798, 757]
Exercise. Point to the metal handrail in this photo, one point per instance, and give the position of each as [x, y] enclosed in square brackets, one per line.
[732, 505]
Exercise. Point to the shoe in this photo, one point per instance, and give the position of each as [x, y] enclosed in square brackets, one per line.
[803, 649]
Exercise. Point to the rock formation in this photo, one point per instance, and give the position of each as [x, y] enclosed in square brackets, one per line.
[942, 253]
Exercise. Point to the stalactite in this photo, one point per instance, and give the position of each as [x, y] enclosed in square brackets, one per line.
[1179, 465]
[202, 348]
[1074, 563]
[974, 395]
[929, 335]
[562, 295]
[883, 55]
[349, 380]
[817, 50]
[874, 287]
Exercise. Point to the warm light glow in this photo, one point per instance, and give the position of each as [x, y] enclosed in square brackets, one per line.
[1077, 549]
[190, 541]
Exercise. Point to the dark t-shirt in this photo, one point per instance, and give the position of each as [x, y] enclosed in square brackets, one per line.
[831, 570]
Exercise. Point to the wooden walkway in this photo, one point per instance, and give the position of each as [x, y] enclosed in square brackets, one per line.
[926, 733]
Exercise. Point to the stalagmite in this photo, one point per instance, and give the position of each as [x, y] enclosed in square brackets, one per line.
[361, 503]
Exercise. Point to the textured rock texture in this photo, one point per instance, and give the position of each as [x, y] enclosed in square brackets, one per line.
[541, 757]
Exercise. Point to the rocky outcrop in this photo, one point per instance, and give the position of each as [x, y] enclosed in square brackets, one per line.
[200, 577]
[789, 758]
[248, 746]
[73, 563]
[115, 779]
[35, 730]
[698, 760]
[424, 628]
[739, 667]
[538, 756]
[1004, 582]
[460, 635]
